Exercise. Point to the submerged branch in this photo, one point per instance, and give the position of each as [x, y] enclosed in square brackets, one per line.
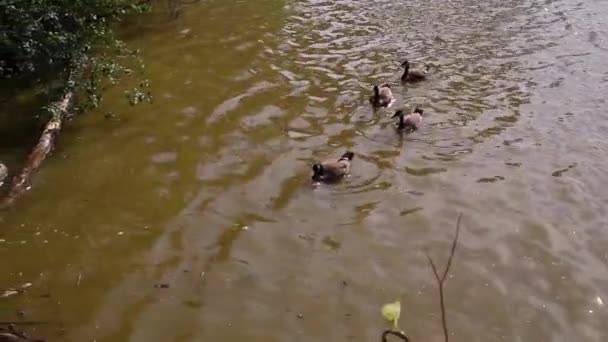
[441, 279]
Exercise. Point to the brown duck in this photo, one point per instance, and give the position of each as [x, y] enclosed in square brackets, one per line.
[410, 122]
[382, 97]
[410, 75]
[332, 170]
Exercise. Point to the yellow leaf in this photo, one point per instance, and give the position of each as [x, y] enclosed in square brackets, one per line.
[391, 312]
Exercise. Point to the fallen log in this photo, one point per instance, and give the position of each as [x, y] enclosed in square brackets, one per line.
[59, 110]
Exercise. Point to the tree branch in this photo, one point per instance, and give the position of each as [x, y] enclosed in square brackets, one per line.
[453, 250]
[441, 279]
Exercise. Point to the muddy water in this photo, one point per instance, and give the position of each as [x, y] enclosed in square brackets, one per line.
[192, 219]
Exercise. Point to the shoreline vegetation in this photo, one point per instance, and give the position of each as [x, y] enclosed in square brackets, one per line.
[61, 55]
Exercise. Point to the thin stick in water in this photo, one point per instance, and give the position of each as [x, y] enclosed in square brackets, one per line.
[441, 279]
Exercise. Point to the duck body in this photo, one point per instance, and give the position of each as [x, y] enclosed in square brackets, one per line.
[411, 76]
[382, 97]
[332, 170]
[410, 122]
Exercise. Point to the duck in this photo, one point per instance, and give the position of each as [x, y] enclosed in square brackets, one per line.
[410, 122]
[383, 96]
[413, 75]
[332, 170]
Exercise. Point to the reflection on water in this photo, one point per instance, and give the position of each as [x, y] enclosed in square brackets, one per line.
[208, 189]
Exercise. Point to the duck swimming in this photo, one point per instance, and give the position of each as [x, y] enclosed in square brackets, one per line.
[382, 97]
[332, 170]
[413, 75]
[410, 122]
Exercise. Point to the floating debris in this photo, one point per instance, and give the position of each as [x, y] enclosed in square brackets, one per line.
[8, 293]
[410, 211]
[559, 173]
[490, 179]
[331, 243]
[391, 312]
[12, 292]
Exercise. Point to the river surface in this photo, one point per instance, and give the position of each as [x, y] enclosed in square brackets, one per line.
[193, 218]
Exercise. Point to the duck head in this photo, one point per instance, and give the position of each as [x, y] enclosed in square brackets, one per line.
[418, 110]
[318, 171]
[348, 155]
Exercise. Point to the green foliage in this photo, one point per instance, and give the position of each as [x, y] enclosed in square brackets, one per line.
[56, 37]
[37, 35]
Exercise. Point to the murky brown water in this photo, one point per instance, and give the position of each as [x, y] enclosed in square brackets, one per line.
[207, 190]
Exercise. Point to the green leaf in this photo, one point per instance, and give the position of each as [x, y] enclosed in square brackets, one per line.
[391, 312]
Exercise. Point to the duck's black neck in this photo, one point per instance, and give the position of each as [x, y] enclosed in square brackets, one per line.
[406, 71]
[317, 172]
